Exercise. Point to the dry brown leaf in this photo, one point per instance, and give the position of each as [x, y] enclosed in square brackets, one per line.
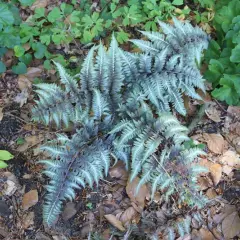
[204, 183]
[39, 4]
[10, 188]
[216, 172]
[115, 222]
[205, 96]
[191, 109]
[230, 158]
[140, 196]
[205, 234]
[29, 199]
[227, 169]
[231, 225]
[24, 82]
[69, 211]
[211, 193]
[119, 171]
[28, 219]
[30, 141]
[128, 215]
[215, 142]
[33, 72]
[1, 114]
[213, 113]
[235, 111]
[227, 210]
[215, 169]
[22, 97]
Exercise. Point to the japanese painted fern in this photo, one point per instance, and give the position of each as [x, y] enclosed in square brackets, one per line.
[120, 109]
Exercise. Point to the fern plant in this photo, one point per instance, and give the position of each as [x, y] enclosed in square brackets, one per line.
[118, 110]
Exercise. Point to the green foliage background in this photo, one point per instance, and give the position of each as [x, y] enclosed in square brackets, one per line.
[223, 55]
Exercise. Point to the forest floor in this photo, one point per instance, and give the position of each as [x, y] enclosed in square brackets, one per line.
[110, 208]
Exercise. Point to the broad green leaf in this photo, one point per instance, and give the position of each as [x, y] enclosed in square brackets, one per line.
[108, 23]
[88, 22]
[3, 50]
[5, 155]
[75, 16]
[39, 12]
[39, 49]
[26, 58]
[47, 65]
[122, 36]
[6, 16]
[19, 50]
[66, 8]
[20, 68]
[177, 2]
[3, 164]
[235, 57]
[27, 2]
[57, 38]
[54, 15]
[2, 67]
[87, 36]
[227, 94]
[46, 39]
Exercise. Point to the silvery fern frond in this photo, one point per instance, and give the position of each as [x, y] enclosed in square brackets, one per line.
[119, 109]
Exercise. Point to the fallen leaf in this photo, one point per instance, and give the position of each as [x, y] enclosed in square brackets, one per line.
[119, 171]
[211, 193]
[28, 219]
[33, 72]
[4, 210]
[215, 169]
[10, 188]
[140, 196]
[190, 108]
[227, 169]
[128, 215]
[231, 225]
[204, 183]
[22, 97]
[213, 113]
[185, 237]
[39, 4]
[69, 211]
[30, 141]
[115, 222]
[205, 234]
[227, 210]
[205, 96]
[215, 142]
[1, 114]
[234, 111]
[230, 158]
[24, 82]
[29, 199]
[41, 236]
[216, 172]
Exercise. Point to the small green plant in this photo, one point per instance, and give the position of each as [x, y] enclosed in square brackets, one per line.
[5, 156]
[77, 22]
[223, 54]
[14, 34]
